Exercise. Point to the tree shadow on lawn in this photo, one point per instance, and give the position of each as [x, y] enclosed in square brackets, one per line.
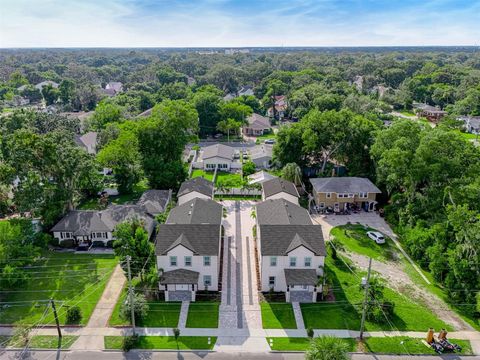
[67, 278]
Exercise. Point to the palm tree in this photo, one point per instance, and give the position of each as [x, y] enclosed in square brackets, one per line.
[293, 173]
[327, 348]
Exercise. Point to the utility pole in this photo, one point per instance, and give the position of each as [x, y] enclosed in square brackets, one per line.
[365, 301]
[130, 292]
[52, 302]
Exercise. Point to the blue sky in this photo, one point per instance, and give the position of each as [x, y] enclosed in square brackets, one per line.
[223, 23]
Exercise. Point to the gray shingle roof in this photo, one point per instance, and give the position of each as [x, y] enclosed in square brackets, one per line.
[155, 201]
[276, 240]
[281, 212]
[82, 222]
[197, 184]
[87, 141]
[344, 185]
[218, 150]
[204, 238]
[116, 214]
[196, 211]
[278, 185]
[258, 122]
[262, 151]
[301, 277]
[179, 276]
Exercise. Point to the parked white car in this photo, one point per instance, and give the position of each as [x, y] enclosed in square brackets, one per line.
[376, 236]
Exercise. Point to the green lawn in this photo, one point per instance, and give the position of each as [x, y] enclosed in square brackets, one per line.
[160, 314]
[407, 112]
[354, 238]
[68, 278]
[39, 342]
[203, 315]
[344, 312]
[208, 175]
[229, 180]
[300, 344]
[261, 139]
[406, 345]
[469, 136]
[278, 316]
[164, 342]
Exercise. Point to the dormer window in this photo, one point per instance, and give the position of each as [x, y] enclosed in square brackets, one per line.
[328, 195]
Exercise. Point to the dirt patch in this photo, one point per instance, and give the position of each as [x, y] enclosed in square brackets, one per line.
[398, 280]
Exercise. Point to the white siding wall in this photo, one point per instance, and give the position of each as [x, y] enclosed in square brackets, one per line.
[217, 160]
[190, 196]
[283, 195]
[283, 262]
[109, 236]
[163, 262]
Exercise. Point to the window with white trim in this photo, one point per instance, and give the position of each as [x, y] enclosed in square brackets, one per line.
[273, 261]
[271, 281]
[293, 261]
[308, 262]
[206, 261]
[328, 195]
[363, 195]
[173, 261]
[188, 261]
[207, 280]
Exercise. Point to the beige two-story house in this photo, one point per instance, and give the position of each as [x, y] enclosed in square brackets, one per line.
[344, 193]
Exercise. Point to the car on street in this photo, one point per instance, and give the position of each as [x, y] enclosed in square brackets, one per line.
[376, 236]
[270, 141]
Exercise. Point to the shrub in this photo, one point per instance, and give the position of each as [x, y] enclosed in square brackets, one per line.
[249, 168]
[129, 342]
[110, 243]
[98, 243]
[310, 333]
[176, 333]
[327, 347]
[74, 315]
[140, 307]
[67, 243]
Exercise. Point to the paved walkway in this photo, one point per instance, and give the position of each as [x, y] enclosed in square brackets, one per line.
[297, 311]
[182, 320]
[102, 312]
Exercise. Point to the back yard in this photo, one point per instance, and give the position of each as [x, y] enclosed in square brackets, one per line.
[70, 279]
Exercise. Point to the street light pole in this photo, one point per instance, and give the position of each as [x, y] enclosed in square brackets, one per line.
[130, 293]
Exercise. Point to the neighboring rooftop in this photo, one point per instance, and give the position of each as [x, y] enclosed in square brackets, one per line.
[218, 150]
[281, 212]
[258, 122]
[196, 211]
[88, 141]
[344, 185]
[115, 86]
[261, 151]
[40, 85]
[278, 185]
[155, 202]
[198, 184]
[201, 239]
[80, 222]
[279, 240]
[260, 177]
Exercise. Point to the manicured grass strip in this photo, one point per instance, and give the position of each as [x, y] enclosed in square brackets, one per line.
[300, 344]
[39, 342]
[201, 173]
[203, 315]
[278, 316]
[407, 345]
[354, 238]
[160, 314]
[164, 342]
[70, 279]
[345, 311]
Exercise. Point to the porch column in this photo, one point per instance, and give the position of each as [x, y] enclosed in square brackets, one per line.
[314, 294]
[287, 294]
[166, 296]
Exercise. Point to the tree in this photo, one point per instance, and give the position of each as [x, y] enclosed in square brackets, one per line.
[66, 91]
[50, 94]
[105, 113]
[207, 103]
[140, 307]
[236, 111]
[31, 93]
[292, 173]
[162, 139]
[327, 348]
[17, 79]
[123, 157]
[132, 240]
[228, 125]
[248, 168]
[289, 145]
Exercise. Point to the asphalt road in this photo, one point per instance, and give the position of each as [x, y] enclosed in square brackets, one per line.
[146, 355]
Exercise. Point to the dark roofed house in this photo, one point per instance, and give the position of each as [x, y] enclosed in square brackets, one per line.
[155, 202]
[188, 256]
[90, 227]
[193, 188]
[257, 125]
[262, 155]
[344, 193]
[113, 88]
[196, 211]
[280, 189]
[281, 212]
[432, 113]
